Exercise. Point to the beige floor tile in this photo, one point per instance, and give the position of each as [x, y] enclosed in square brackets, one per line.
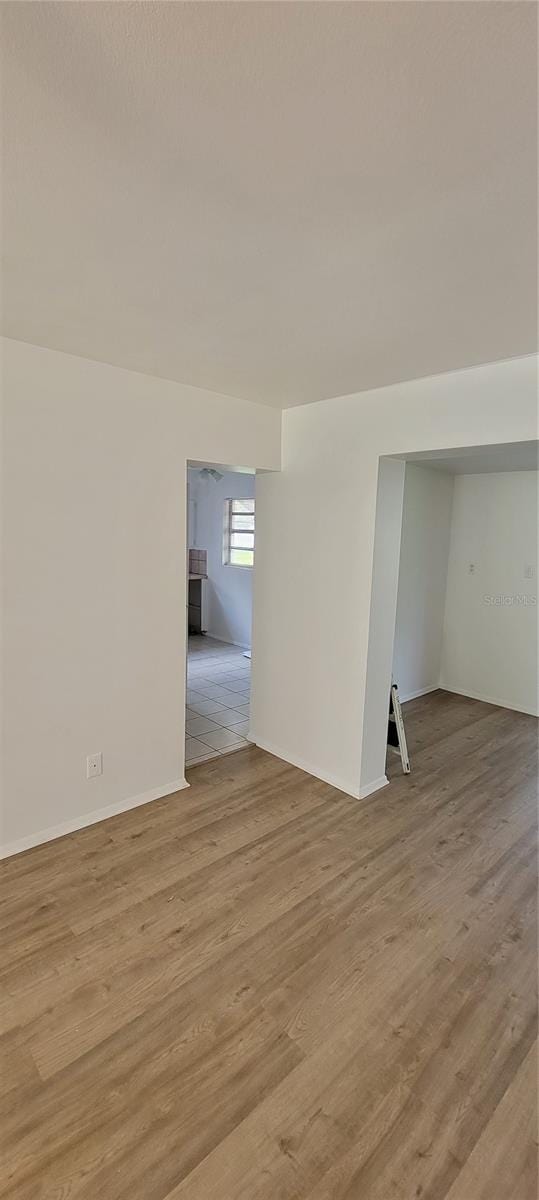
[229, 717]
[213, 708]
[196, 749]
[243, 729]
[229, 699]
[223, 738]
[198, 725]
[193, 695]
[206, 708]
[237, 685]
[213, 691]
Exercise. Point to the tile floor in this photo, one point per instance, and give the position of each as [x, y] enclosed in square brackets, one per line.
[217, 700]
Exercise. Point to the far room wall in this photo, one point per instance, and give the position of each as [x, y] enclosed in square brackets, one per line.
[229, 588]
[424, 552]
[466, 610]
[490, 627]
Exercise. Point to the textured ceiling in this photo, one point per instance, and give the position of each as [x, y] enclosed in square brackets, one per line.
[280, 201]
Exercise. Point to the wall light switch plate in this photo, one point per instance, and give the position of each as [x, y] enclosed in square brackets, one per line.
[529, 571]
[94, 765]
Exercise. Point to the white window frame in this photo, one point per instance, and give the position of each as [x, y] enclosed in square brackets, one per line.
[228, 531]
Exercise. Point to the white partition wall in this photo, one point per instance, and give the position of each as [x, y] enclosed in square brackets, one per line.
[385, 575]
[314, 566]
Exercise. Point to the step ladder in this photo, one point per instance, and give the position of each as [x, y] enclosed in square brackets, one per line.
[396, 737]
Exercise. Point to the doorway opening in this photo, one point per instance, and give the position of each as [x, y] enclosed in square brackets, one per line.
[454, 591]
[220, 564]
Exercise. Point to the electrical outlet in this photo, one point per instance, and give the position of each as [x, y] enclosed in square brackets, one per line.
[472, 568]
[94, 765]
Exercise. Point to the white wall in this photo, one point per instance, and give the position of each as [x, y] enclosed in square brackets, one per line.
[94, 545]
[490, 629]
[426, 526]
[229, 589]
[385, 573]
[315, 526]
[192, 506]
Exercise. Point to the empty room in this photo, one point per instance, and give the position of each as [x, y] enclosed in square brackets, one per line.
[269, 669]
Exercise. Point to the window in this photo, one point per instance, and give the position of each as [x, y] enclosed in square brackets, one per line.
[239, 533]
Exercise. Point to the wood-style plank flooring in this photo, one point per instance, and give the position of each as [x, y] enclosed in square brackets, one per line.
[261, 988]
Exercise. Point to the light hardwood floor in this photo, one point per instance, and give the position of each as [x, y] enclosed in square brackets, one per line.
[263, 989]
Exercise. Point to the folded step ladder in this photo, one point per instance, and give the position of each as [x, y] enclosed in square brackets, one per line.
[396, 737]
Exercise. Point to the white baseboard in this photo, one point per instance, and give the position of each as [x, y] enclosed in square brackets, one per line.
[443, 687]
[531, 712]
[228, 641]
[433, 687]
[343, 785]
[92, 818]
[369, 788]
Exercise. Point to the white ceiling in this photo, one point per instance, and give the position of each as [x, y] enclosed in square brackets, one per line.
[478, 460]
[280, 201]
